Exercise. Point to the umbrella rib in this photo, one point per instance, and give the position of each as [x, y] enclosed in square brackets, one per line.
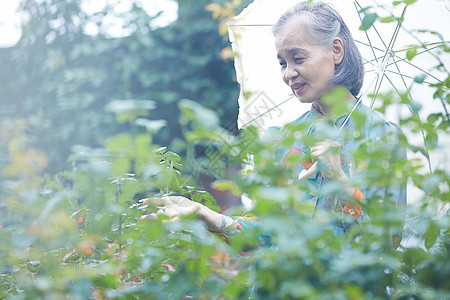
[371, 61]
[427, 153]
[432, 54]
[407, 76]
[442, 102]
[421, 52]
[395, 35]
[384, 62]
[379, 82]
[420, 69]
[354, 107]
[435, 44]
[367, 36]
[403, 79]
[267, 111]
[402, 50]
[424, 51]
[395, 88]
[357, 103]
[366, 61]
[379, 36]
[365, 44]
[416, 115]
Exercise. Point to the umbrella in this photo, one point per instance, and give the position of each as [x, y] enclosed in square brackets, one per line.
[386, 49]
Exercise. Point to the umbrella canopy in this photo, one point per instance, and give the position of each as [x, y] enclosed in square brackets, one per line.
[386, 49]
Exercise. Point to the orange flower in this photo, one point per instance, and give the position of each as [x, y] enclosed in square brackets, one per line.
[87, 245]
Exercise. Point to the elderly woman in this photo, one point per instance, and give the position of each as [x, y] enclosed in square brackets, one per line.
[317, 53]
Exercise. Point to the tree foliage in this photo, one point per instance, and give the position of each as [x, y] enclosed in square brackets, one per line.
[60, 79]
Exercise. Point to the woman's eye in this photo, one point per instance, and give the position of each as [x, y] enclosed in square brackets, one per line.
[283, 64]
[299, 60]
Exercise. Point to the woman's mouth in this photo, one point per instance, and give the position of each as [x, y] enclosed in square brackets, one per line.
[298, 87]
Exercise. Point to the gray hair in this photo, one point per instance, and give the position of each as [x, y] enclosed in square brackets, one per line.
[324, 24]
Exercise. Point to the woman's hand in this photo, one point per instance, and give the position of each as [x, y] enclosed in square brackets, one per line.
[176, 206]
[327, 153]
[171, 206]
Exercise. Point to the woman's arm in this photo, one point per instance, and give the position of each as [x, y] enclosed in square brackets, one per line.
[212, 219]
[176, 206]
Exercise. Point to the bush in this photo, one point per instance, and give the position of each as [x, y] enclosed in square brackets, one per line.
[78, 233]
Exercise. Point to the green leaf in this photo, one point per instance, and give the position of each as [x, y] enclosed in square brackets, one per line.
[411, 53]
[364, 9]
[415, 106]
[431, 182]
[336, 99]
[178, 166]
[247, 95]
[368, 21]
[439, 35]
[208, 198]
[433, 118]
[118, 143]
[408, 2]
[387, 19]
[172, 156]
[33, 266]
[420, 78]
[161, 150]
[120, 166]
[431, 139]
[431, 235]
[163, 217]
[142, 144]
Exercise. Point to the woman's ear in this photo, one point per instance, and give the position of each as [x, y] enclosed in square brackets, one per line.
[338, 50]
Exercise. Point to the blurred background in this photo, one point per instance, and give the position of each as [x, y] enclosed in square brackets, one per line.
[62, 61]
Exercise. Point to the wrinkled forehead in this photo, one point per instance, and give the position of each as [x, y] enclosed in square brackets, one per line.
[297, 27]
[295, 32]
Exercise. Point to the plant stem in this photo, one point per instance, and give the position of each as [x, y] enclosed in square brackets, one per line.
[118, 192]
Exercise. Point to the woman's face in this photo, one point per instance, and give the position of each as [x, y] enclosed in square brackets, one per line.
[305, 66]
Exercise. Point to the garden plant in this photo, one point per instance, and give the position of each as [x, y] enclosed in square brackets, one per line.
[76, 232]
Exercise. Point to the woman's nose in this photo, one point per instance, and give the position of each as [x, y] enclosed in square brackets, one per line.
[290, 72]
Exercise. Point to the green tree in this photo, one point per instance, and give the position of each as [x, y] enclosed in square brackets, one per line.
[60, 79]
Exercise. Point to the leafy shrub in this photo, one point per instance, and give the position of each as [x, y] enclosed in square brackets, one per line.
[78, 233]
